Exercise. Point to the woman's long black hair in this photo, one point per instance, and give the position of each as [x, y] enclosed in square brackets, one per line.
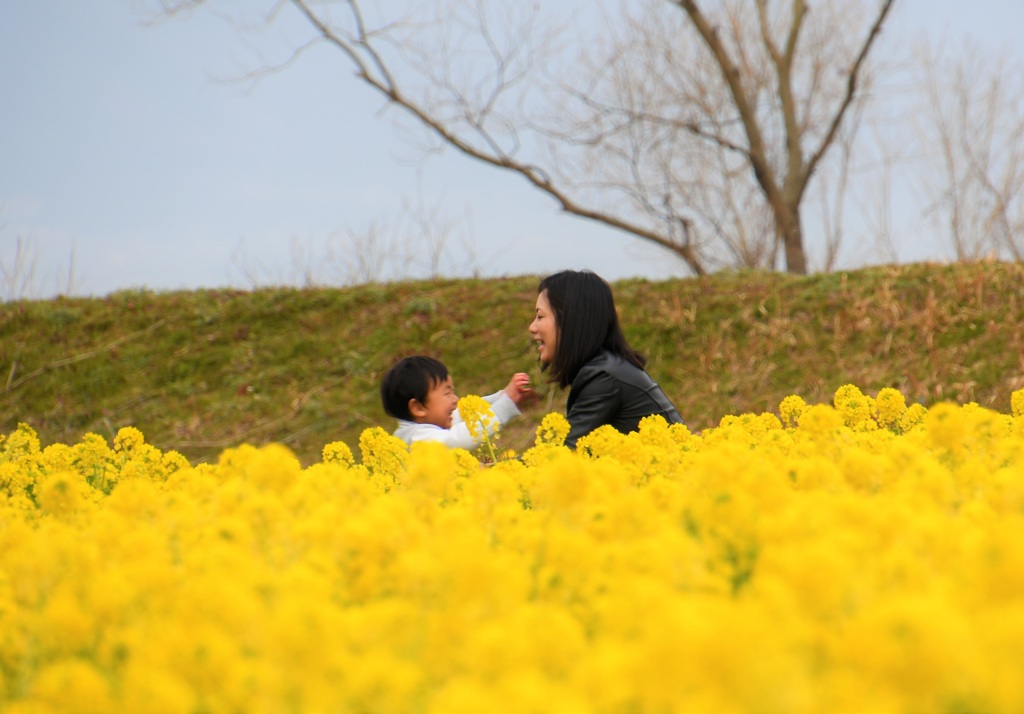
[587, 322]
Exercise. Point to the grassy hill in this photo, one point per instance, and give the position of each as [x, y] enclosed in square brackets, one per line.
[201, 371]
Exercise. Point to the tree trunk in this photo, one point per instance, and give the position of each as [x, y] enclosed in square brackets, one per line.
[792, 235]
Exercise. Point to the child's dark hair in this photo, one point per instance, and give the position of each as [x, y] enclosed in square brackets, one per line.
[587, 323]
[410, 378]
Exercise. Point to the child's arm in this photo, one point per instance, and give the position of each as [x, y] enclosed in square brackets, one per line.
[504, 404]
[518, 389]
[457, 437]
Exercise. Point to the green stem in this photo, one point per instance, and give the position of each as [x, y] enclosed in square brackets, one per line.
[487, 441]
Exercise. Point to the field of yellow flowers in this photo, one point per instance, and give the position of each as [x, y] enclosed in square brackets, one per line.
[847, 557]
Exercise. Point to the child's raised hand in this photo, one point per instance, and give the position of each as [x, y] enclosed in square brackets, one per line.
[518, 389]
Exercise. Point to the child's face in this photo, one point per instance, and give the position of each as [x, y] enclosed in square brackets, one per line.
[440, 403]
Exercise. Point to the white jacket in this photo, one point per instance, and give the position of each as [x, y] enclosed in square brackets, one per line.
[458, 436]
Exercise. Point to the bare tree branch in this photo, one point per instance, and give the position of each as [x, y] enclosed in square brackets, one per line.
[851, 90]
[386, 85]
[976, 175]
[696, 131]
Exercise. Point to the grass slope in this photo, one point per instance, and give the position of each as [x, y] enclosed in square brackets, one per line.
[201, 371]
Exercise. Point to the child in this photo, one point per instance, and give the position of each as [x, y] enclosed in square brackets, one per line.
[419, 393]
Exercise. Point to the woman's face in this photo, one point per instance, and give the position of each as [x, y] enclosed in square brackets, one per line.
[544, 330]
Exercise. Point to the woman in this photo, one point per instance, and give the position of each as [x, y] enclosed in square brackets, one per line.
[580, 343]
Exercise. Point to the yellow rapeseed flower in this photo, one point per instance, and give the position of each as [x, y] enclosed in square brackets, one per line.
[790, 410]
[128, 439]
[384, 455]
[337, 452]
[892, 406]
[478, 416]
[816, 567]
[70, 685]
[61, 493]
[820, 419]
[856, 408]
[553, 429]
[481, 421]
[912, 417]
[1017, 403]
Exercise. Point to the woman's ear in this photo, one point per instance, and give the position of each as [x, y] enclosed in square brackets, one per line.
[417, 409]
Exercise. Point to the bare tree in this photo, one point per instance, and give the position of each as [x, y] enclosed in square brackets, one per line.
[974, 171]
[424, 241]
[19, 273]
[697, 129]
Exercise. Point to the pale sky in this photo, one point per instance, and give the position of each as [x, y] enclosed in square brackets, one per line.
[122, 155]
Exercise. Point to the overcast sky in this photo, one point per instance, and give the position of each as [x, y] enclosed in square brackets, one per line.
[123, 157]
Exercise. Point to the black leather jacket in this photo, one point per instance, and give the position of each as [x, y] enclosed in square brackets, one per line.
[610, 390]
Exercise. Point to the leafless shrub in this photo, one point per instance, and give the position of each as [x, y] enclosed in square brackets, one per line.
[423, 241]
[973, 131]
[20, 273]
